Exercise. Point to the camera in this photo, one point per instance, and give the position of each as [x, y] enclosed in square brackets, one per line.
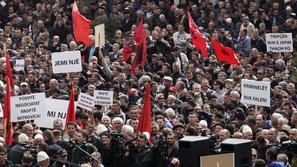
[288, 145]
[30, 149]
[162, 146]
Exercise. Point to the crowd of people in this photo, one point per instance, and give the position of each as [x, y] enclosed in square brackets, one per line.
[190, 95]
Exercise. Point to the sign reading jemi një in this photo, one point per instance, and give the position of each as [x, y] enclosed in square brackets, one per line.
[65, 62]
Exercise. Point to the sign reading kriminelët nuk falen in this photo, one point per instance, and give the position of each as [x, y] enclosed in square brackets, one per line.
[27, 107]
[65, 62]
[103, 98]
[279, 42]
[255, 92]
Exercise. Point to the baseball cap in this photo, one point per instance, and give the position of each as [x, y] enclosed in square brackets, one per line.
[62, 152]
[229, 80]
[24, 84]
[172, 89]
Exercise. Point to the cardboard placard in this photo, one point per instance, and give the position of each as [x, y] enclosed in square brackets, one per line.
[27, 107]
[19, 65]
[220, 160]
[104, 98]
[86, 101]
[279, 42]
[65, 62]
[54, 109]
[100, 35]
[255, 92]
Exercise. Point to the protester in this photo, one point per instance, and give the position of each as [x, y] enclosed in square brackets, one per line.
[192, 58]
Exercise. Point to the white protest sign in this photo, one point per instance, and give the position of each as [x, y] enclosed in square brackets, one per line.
[104, 98]
[27, 107]
[255, 92]
[3, 3]
[99, 35]
[55, 109]
[279, 42]
[1, 111]
[64, 62]
[19, 65]
[85, 101]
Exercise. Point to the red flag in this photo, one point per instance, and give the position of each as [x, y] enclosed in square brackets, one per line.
[197, 39]
[138, 32]
[224, 53]
[127, 52]
[140, 48]
[145, 115]
[71, 108]
[81, 26]
[9, 74]
[6, 116]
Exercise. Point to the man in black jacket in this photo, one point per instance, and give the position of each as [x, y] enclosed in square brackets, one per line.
[143, 155]
[61, 157]
[17, 151]
[49, 140]
[257, 41]
[78, 156]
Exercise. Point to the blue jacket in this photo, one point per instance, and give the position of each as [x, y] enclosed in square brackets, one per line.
[243, 45]
[275, 164]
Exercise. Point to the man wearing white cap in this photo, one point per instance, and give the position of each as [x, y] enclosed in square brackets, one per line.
[24, 88]
[167, 82]
[38, 139]
[247, 132]
[42, 159]
[16, 152]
